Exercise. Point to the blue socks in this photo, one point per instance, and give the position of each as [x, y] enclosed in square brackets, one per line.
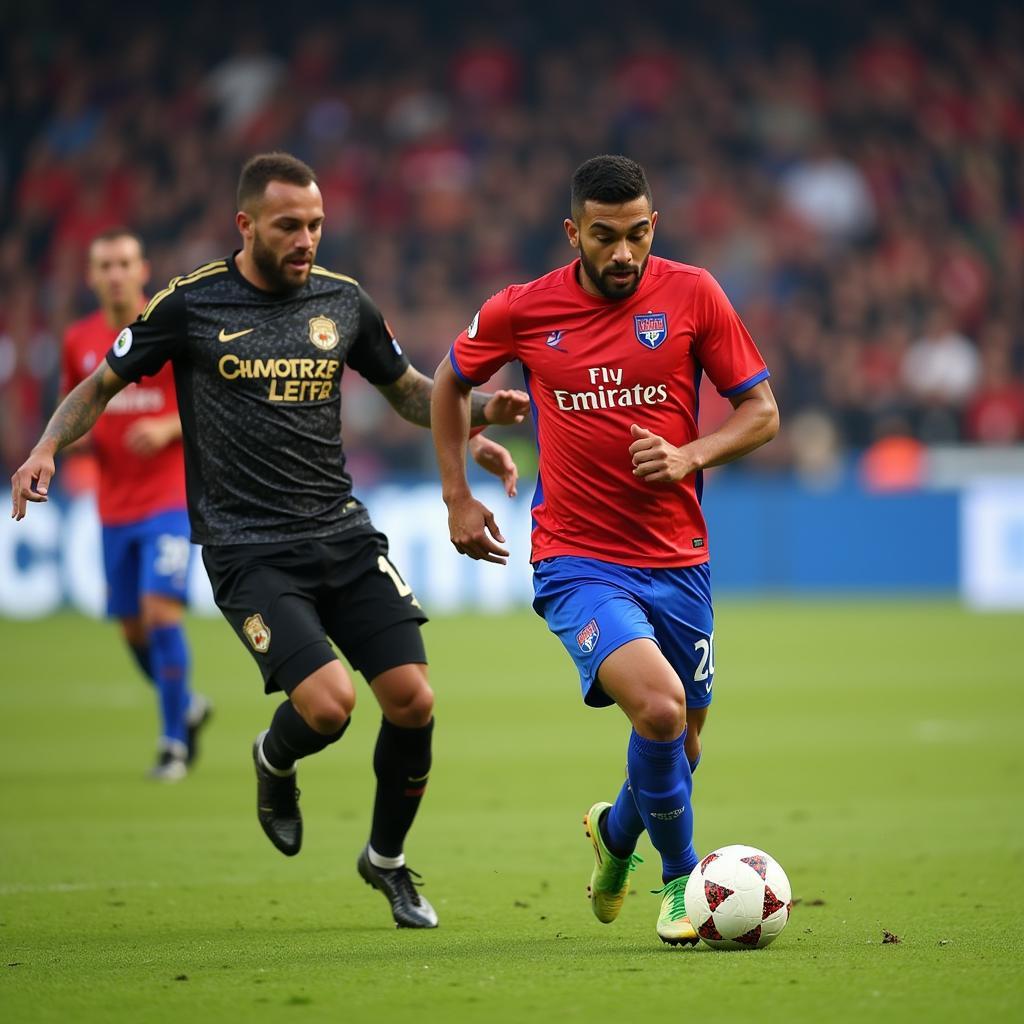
[622, 826]
[659, 788]
[168, 657]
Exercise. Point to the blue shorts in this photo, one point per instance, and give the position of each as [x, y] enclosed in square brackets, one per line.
[150, 556]
[595, 607]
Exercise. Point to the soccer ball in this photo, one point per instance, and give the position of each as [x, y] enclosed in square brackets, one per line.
[738, 898]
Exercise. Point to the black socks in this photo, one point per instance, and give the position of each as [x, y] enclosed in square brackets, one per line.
[401, 762]
[290, 738]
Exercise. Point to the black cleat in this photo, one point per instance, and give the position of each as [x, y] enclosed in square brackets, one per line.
[170, 767]
[408, 907]
[199, 714]
[277, 806]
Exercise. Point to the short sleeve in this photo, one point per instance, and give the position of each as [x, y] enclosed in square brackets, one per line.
[722, 344]
[375, 353]
[486, 344]
[156, 337]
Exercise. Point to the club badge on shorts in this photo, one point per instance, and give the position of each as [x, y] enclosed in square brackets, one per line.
[587, 637]
[651, 329]
[323, 332]
[257, 633]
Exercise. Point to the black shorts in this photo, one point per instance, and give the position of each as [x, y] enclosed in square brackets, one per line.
[284, 600]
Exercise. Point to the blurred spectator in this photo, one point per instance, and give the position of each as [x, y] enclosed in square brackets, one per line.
[995, 415]
[895, 461]
[831, 194]
[941, 367]
[242, 84]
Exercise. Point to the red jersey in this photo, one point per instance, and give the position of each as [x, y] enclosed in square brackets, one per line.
[132, 486]
[593, 367]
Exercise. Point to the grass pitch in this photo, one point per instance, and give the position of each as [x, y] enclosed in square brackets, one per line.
[872, 748]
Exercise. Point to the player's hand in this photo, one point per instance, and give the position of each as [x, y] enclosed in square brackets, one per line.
[507, 407]
[31, 481]
[655, 460]
[496, 459]
[148, 435]
[473, 531]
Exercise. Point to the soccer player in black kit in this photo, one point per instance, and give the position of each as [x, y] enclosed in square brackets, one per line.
[258, 343]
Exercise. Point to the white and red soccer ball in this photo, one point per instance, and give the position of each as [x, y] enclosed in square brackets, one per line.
[738, 897]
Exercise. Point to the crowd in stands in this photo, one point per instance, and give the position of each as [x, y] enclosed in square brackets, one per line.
[855, 181]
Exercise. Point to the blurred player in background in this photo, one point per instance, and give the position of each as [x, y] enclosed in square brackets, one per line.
[258, 343]
[613, 346]
[141, 494]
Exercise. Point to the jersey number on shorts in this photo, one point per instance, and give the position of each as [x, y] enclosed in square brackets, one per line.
[706, 667]
[171, 555]
[403, 588]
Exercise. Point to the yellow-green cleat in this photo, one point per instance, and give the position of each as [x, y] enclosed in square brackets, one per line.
[674, 926]
[609, 882]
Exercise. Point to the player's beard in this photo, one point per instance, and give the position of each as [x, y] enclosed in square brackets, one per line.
[609, 288]
[272, 268]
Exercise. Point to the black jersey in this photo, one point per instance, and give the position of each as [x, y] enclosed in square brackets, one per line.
[258, 378]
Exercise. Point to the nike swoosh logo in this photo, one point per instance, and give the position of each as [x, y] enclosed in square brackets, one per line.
[224, 336]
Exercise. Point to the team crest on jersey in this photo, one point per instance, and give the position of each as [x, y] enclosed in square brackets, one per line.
[651, 328]
[323, 332]
[587, 637]
[257, 632]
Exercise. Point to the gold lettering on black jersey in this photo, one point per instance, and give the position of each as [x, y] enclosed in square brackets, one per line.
[323, 332]
[291, 380]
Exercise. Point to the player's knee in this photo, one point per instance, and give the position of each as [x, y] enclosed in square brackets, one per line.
[328, 710]
[414, 710]
[661, 717]
[157, 611]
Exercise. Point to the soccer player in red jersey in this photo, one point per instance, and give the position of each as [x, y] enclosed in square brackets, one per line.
[146, 549]
[613, 347]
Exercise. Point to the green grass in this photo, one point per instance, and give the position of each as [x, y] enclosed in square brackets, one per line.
[873, 748]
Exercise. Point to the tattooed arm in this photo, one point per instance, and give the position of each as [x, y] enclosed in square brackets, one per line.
[72, 418]
[410, 398]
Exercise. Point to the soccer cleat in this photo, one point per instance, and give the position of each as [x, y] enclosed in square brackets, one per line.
[609, 881]
[277, 805]
[674, 926]
[408, 907]
[199, 714]
[170, 767]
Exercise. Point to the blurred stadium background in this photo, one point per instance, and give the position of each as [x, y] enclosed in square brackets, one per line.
[853, 173]
[855, 181]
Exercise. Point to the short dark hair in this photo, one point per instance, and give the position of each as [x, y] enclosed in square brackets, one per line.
[119, 231]
[607, 179]
[259, 171]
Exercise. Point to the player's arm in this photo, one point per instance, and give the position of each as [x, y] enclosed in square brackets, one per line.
[753, 422]
[376, 355]
[410, 397]
[68, 379]
[150, 434]
[471, 524]
[71, 419]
